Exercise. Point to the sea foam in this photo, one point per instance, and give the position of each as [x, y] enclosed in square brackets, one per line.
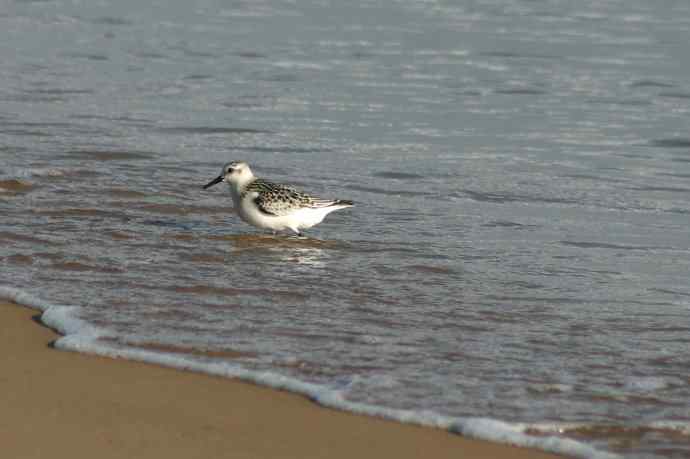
[79, 336]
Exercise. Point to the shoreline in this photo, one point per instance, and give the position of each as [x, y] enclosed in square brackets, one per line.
[61, 403]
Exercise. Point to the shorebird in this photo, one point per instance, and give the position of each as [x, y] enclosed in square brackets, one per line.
[272, 206]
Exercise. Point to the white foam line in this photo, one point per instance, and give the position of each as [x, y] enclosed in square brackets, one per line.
[81, 337]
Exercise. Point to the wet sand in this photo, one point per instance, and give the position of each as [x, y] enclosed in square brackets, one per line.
[64, 405]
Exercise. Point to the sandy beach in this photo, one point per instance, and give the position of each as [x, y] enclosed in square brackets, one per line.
[64, 405]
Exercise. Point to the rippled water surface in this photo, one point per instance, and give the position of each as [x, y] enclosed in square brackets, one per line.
[519, 248]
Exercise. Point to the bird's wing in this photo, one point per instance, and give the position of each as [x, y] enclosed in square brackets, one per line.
[275, 199]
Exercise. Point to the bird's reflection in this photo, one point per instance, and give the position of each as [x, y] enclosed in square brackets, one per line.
[291, 249]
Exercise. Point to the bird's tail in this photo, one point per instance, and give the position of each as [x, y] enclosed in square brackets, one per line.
[326, 203]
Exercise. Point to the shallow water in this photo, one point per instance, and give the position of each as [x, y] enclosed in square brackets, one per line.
[519, 249]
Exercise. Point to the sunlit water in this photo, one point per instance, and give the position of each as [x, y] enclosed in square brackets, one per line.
[519, 248]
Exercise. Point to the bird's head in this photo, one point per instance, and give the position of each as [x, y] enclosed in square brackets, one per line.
[233, 173]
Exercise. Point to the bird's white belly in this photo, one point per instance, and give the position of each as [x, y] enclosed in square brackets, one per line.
[300, 219]
[249, 212]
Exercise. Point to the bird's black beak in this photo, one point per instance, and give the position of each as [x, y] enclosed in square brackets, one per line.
[213, 182]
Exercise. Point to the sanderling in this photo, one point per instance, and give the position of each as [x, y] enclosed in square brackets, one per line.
[272, 206]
